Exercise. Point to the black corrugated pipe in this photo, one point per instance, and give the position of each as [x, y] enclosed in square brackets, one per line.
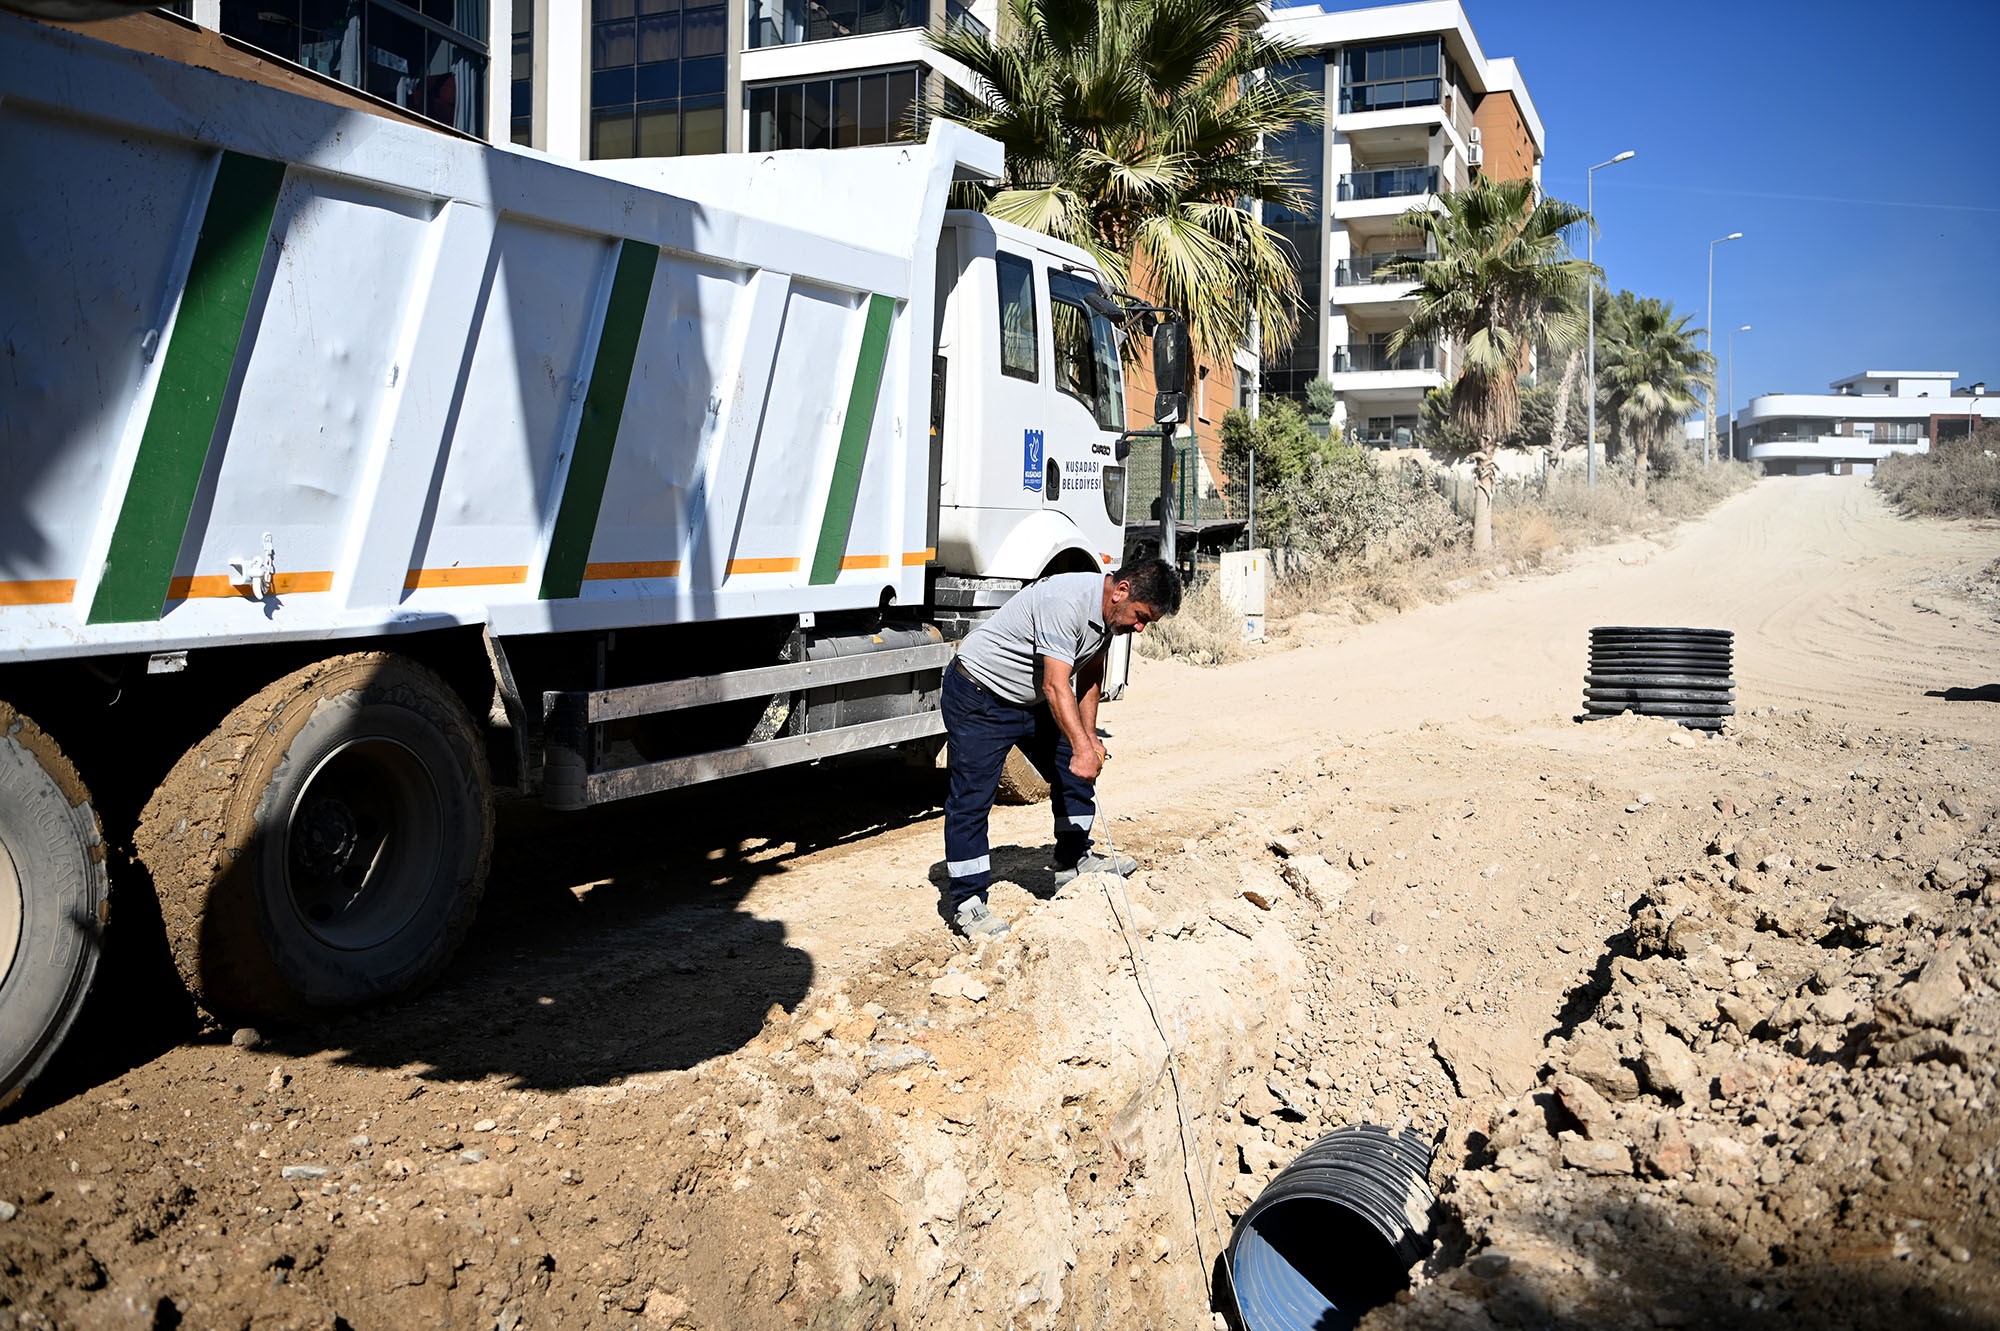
[1334, 1234]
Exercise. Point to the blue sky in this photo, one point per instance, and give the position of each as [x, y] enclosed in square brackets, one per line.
[1855, 146]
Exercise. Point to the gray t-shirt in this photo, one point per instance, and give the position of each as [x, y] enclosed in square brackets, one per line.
[1060, 617]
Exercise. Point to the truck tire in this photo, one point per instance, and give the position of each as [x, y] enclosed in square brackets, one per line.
[55, 894]
[327, 845]
[1020, 783]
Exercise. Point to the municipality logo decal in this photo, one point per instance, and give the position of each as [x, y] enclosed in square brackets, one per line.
[1031, 460]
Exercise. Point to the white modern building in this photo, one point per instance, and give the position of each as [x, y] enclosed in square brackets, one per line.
[1415, 109]
[1864, 419]
[603, 79]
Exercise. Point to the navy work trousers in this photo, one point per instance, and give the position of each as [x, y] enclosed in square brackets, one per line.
[982, 727]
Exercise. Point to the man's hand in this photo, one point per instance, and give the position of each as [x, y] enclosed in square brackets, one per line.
[1087, 763]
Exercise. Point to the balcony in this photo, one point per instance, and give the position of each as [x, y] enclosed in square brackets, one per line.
[1391, 96]
[1367, 270]
[1393, 183]
[1374, 358]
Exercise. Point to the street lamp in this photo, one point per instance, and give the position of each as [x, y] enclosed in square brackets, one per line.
[1708, 435]
[1590, 257]
[1732, 387]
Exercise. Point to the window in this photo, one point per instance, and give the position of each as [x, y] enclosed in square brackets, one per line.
[522, 112]
[1394, 74]
[853, 111]
[787, 22]
[428, 56]
[658, 75]
[1019, 355]
[1086, 350]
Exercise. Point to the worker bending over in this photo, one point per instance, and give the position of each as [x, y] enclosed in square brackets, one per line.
[1031, 675]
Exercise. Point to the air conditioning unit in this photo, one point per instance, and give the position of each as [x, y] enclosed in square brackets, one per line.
[1475, 151]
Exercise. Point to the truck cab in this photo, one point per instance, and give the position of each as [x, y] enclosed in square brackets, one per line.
[1028, 407]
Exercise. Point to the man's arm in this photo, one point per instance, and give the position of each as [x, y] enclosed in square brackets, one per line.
[1057, 688]
[1090, 690]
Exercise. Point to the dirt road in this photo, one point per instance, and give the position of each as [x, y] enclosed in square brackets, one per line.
[714, 1062]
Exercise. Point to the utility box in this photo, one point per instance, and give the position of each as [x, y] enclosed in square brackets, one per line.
[1245, 574]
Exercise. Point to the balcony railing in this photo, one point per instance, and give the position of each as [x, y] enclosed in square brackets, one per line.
[1393, 183]
[1367, 270]
[1365, 357]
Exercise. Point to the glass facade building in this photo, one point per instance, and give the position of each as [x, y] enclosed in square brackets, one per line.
[428, 56]
[1288, 372]
[658, 74]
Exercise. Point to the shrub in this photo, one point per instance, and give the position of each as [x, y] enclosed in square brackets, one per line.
[1958, 479]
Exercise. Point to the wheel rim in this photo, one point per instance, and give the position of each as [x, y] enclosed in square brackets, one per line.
[11, 912]
[364, 843]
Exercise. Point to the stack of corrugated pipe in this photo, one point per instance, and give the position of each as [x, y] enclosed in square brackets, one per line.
[1334, 1234]
[1680, 674]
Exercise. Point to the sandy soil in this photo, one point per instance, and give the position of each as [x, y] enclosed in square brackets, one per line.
[714, 1061]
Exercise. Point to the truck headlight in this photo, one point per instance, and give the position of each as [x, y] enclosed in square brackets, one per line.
[1114, 493]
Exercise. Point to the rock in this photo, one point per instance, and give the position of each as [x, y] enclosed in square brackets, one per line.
[1286, 844]
[484, 1125]
[1751, 848]
[1592, 1112]
[1921, 1048]
[1261, 1157]
[957, 984]
[1256, 898]
[1951, 807]
[1233, 918]
[1741, 1012]
[1663, 1148]
[296, 1172]
[1524, 1163]
[1949, 874]
[1493, 1062]
[486, 1179]
[1488, 1265]
[1608, 1159]
[664, 1309]
[1257, 1103]
[1317, 881]
[1871, 910]
[1933, 997]
[1594, 1057]
[1667, 1065]
[277, 1080]
[8, 1211]
[246, 1037]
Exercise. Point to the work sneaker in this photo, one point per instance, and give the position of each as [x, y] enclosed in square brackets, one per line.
[1122, 865]
[974, 920]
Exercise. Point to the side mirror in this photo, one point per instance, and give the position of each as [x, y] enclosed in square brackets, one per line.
[1170, 366]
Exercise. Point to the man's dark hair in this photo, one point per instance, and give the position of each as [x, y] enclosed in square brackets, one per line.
[1154, 583]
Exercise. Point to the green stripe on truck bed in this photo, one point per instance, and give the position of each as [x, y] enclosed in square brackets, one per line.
[180, 428]
[597, 432]
[859, 424]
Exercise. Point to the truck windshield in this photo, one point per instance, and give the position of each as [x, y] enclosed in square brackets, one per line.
[1086, 347]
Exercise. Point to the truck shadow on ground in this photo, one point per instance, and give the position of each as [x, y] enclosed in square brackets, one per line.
[1983, 693]
[609, 943]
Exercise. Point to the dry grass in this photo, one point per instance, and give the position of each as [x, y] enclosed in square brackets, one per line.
[1960, 479]
[1205, 632]
[1526, 537]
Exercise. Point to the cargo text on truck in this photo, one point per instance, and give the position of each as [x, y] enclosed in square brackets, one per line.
[362, 471]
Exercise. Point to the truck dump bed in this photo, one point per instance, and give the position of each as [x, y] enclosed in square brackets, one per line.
[273, 369]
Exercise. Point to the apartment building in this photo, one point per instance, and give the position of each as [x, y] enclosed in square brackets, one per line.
[1865, 418]
[1415, 109]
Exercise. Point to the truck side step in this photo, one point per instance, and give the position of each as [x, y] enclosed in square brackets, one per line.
[570, 781]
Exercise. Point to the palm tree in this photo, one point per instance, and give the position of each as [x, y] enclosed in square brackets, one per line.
[1498, 280]
[1132, 130]
[1649, 372]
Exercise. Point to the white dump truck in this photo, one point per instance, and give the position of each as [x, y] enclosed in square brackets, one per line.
[354, 471]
